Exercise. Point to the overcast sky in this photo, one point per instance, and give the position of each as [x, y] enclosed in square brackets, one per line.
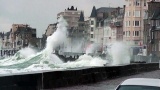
[40, 13]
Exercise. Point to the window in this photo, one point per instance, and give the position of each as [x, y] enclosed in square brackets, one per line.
[136, 23]
[129, 13]
[152, 36]
[136, 13]
[92, 29]
[91, 35]
[157, 22]
[137, 3]
[136, 33]
[145, 3]
[127, 23]
[130, 3]
[33, 35]
[92, 22]
[128, 33]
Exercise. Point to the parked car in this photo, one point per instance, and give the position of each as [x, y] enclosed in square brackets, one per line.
[140, 84]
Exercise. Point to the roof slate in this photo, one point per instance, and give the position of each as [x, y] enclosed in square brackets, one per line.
[94, 12]
[81, 17]
[156, 14]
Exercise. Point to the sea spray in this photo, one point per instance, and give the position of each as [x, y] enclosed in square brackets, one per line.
[85, 61]
[23, 59]
[58, 37]
[27, 52]
[46, 60]
[75, 45]
[120, 54]
[92, 48]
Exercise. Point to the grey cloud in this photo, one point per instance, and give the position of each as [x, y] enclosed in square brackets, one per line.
[39, 13]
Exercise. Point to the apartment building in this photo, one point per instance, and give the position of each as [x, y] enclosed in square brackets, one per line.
[133, 21]
[113, 28]
[51, 29]
[71, 15]
[77, 30]
[152, 28]
[96, 20]
[106, 25]
[19, 36]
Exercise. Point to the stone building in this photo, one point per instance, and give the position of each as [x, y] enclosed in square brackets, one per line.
[18, 37]
[71, 15]
[106, 24]
[51, 29]
[5, 40]
[152, 28]
[133, 21]
[113, 27]
[25, 36]
[77, 30]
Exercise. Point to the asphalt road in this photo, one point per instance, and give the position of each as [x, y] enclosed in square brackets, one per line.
[111, 84]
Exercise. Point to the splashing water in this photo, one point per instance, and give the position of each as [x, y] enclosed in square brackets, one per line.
[92, 48]
[58, 37]
[85, 61]
[119, 53]
[28, 60]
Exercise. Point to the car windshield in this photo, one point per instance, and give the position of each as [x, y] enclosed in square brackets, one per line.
[135, 87]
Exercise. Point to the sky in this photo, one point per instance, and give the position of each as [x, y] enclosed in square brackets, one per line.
[40, 13]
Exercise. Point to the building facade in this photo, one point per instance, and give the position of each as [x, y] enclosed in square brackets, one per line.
[18, 37]
[106, 25]
[152, 28]
[77, 30]
[71, 15]
[51, 29]
[133, 21]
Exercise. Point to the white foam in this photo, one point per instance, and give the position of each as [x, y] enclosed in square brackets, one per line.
[27, 52]
[92, 48]
[120, 53]
[85, 61]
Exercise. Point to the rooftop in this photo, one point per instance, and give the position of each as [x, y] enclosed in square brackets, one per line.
[156, 14]
[106, 9]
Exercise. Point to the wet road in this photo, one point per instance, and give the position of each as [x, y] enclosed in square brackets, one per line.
[111, 84]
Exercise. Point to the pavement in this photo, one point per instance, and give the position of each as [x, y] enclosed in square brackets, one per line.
[113, 83]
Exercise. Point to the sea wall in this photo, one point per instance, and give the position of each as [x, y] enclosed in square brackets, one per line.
[55, 79]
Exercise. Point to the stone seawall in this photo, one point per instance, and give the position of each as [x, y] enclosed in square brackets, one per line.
[55, 79]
